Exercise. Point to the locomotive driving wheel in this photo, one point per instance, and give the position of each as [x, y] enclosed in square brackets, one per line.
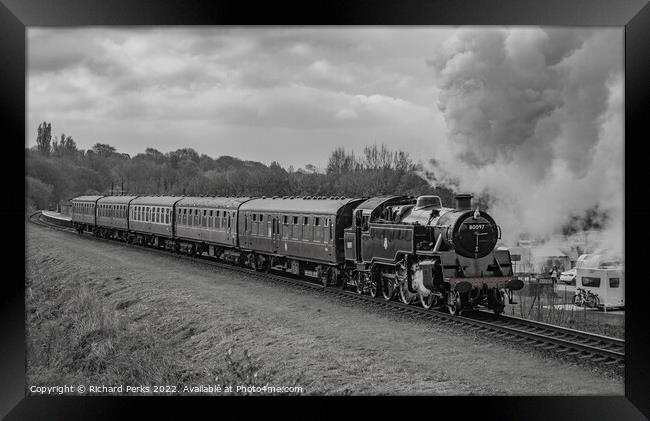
[358, 281]
[401, 274]
[373, 288]
[387, 288]
[429, 301]
[499, 304]
[454, 304]
[405, 295]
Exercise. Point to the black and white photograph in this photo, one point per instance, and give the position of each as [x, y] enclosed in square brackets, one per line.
[325, 210]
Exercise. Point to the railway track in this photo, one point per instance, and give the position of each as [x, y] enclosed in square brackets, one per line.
[559, 340]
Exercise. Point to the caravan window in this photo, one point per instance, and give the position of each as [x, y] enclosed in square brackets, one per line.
[590, 281]
[614, 282]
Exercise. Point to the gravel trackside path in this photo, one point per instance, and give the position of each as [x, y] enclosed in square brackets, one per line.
[333, 347]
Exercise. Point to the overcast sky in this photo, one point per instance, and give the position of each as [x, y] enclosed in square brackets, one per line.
[285, 94]
[290, 94]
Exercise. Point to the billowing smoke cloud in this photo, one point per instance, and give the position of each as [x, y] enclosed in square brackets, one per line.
[535, 120]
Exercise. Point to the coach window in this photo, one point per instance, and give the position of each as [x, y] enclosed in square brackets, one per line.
[330, 227]
[318, 230]
[295, 228]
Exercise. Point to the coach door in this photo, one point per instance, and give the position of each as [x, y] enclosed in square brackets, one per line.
[275, 233]
[229, 224]
[357, 225]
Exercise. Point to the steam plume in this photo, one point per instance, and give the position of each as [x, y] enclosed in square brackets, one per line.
[535, 120]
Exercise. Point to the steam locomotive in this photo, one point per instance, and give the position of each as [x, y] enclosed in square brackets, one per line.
[412, 249]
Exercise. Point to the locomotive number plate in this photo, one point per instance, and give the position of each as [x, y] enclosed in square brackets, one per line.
[474, 227]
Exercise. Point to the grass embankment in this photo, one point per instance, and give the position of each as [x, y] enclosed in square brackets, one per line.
[76, 337]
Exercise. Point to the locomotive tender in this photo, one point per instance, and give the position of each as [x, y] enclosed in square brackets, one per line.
[393, 246]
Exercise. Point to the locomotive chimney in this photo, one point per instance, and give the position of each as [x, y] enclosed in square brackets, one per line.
[464, 201]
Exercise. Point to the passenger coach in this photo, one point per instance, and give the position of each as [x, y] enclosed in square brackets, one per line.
[151, 219]
[112, 216]
[84, 213]
[209, 224]
[299, 233]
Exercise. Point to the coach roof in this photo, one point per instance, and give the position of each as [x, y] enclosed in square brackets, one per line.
[296, 205]
[116, 200]
[86, 198]
[155, 200]
[213, 202]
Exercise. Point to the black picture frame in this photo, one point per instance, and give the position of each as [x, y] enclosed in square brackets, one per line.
[634, 15]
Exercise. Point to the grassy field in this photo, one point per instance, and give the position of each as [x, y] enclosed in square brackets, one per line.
[73, 338]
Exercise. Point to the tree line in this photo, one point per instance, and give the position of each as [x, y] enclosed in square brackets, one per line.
[57, 170]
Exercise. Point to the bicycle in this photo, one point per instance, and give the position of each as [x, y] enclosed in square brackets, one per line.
[584, 298]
